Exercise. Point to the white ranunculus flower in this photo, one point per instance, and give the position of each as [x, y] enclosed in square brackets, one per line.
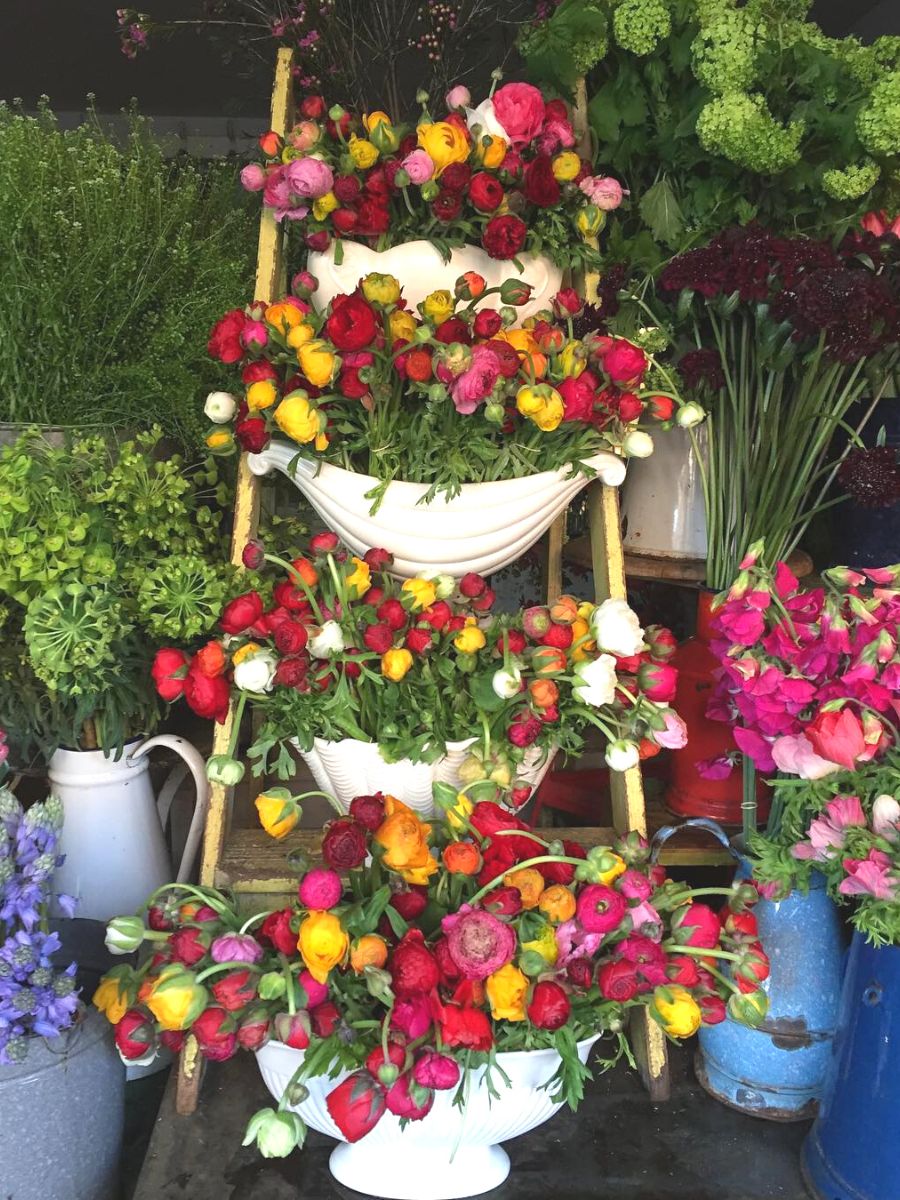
[616, 628]
[621, 755]
[444, 586]
[328, 641]
[256, 673]
[507, 683]
[220, 407]
[638, 444]
[485, 116]
[596, 684]
[689, 415]
[886, 816]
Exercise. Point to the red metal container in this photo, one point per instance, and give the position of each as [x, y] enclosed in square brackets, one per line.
[689, 794]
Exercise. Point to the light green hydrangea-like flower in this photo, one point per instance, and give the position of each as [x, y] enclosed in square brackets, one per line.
[640, 25]
[849, 183]
[878, 122]
[741, 128]
[724, 53]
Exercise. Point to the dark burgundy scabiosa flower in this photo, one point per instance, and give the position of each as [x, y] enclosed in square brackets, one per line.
[872, 477]
[699, 368]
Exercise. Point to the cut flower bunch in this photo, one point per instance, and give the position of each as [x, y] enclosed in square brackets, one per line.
[504, 174]
[337, 648]
[456, 394]
[418, 953]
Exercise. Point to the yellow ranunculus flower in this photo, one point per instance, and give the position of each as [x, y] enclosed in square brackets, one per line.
[318, 362]
[283, 316]
[175, 998]
[490, 151]
[506, 991]
[557, 903]
[112, 1002]
[218, 439]
[395, 664]
[422, 591]
[403, 325]
[678, 1010]
[444, 143]
[378, 117]
[618, 868]
[470, 639]
[322, 942]
[324, 205]
[363, 152]
[245, 651]
[380, 289]
[529, 401]
[300, 335]
[261, 394]
[528, 882]
[405, 840]
[586, 610]
[361, 579]
[370, 951]
[271, 812]
[458, 815]
[579, 628]
[571, 360]
[566, 166]
[551, 415]
[438, 306]
[296, 417]
[544, 945]
[590, 220]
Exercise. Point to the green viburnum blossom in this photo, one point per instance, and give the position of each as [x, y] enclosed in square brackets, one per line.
[878, 122]
[724, 53]
[849, 183]
[741, 128]
[640, 25]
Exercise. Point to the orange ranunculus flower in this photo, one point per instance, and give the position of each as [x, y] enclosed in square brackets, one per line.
[529, 883]
[111, 1001]
[534, 363]
[444, 143]
[506, 992]
[211, 660]
[369, 951]
[405, 840]
[462, 858]
[557, 903]
[306, 571]
[547, 660]
[490, 151]
[396, 663]
[283, 316]
[543, 692]
[322, 942]
[564, 611]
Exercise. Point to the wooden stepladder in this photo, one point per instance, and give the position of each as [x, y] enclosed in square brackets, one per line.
[221, 845]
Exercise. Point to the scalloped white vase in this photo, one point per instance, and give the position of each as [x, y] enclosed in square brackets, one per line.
[447, 1155]
[351, 768]
[420, 269]
[486, 527]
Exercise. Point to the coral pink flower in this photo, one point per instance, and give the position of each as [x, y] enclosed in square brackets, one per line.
[794, 755]
[869, 877]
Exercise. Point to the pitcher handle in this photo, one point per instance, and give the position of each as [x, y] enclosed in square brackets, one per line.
[195, 763]
[662, 835]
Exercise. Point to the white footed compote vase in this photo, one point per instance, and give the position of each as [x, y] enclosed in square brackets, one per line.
[452, 1152]
[422, 269]
[486, 527]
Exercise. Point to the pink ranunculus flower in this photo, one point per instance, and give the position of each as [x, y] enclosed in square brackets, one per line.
[437, 1071]
[305, 135]
[578, 396]
[573, 942]
[309, 178]
[475, 384]
[235, 947]
[869, 877]
[519, 107]
[419, 166]
[604, 191]
[412, 1016]
[675, 734]
[635, 885]
[557, 134]
[600, 909]
[253, 177]
[645, 920]
[320, 888]
[458, 97]
[254, 335]
[479, 944]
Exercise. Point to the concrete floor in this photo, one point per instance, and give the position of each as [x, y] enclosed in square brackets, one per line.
[618, 1145]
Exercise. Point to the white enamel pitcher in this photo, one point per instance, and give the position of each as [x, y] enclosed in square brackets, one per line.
[113, 835]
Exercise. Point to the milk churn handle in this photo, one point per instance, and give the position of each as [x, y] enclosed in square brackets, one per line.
[195, 763]
[662, 835]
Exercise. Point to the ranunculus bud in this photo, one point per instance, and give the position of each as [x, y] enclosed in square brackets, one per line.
[690, 415]
[515, 291]
[567, 303]
[536, 621]
[549, 1007]
[220, 407]
[378, 559]
[124, 935]
[621, 755]
[638, 444]
[276, 1134]
[368, 810]
[222, 769]
[472, 585]
[253, 555]
[292, 1028]
[459, 96]
[135, 1038]
[579, 972]
[304, 284]
[356, 1105]
[485, 601]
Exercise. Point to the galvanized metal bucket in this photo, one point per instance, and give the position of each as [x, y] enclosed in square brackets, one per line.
[851, 1150]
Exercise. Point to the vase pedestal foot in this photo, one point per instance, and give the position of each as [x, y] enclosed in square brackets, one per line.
[773, 1102]
[419, 1174]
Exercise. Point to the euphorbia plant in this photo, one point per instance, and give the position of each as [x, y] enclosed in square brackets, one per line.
[418, 952]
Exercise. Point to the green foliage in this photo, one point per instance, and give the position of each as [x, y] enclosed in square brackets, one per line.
[116, 263]
[561, 50]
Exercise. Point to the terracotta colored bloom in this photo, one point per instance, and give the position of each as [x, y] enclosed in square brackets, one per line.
[506, 992]
[479, 943]
[370, 951]
[529, 883]
[462, 858]
[557, 903]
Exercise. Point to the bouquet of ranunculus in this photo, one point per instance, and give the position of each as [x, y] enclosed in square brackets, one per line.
[810, 678]
[419, 952]
[456, 394]
[847, 828]
[337, 648]
[504, 174]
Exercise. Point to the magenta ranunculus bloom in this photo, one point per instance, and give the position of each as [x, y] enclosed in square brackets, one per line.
[235, 947]
[309, 178]
[436, 1071]
[600, 908]
[479, 944]
[320, 888]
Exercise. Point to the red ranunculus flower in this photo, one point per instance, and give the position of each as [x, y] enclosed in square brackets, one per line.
[437, 615]
[624, 362]
[168, 672]
[135, 1034]
[418, 641]
[234, 989]
[346, 188]
[292, 1029]
[486, 192]
[312, 107]
[252, 435]
[254, 1029]
[713, 1008]
[325, 1019]
[450, 972]
[373, 217]
[549, 1006]
[401, 1103]
[344, 845]
[216, 1042]
[524, 729]
[563, 872]
[446, 206]
[504, 901]
[173, 1039]
[255, 371]
[189, 945]
[578, 396]
[467, 1027]
[617, 981]
[287, 595]
[375, 1060]
[497, 859]
[378, 638]
[356, 1105]
[293, 672]
[276, 928]
[344, 220]
[507, 356]
[567, 302]
[682, 969]
[412, 966]
[487, 322]
[410, 904]
[368, 810]
[504, 237]
[697, 925]
[455, 177]
[579, 972]
[454, 329]
[208, 698]
[318, 241]
[225, 337]
[241, 613]
[290, 637]
[392, 613]
[540, 185]
[352, 323]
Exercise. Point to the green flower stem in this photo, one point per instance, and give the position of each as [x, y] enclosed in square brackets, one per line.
[228, 966]
[526, 833]
[701, 951]
[207, 895]
[236, 724]
[288, 985]
[529, 862]
[297, 1077]
[256, 917]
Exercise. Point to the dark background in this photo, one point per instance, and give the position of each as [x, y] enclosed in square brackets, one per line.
[67, 48]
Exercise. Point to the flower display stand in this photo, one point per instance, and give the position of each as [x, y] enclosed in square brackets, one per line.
[252, 864]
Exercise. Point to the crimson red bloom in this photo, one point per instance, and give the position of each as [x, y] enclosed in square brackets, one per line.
[276, 929]
[217, 1040]
[486, 192]
[235, 989]
[352, 323]
[617, 981]
[346, 188]
[447, 206]
[168, 671]
[312, 107]
[549, 1007]
[134, 1034]
[401, 1102]
[504, 901]
[208, 698]
[345, 844]
[455, 177]
[697, 925]
[356, 1105]
[418, 641]
[240, 613]
[325, 1019]
[368, 810]
[467, 1027]
[454, 329]
[392, 613]
[225, 337]
[579, 972]
[189, 945]
[291, 637]
[255, 371]
[410, 904]
[252, 435]
[713, 1008]
[373, 216]
[375, 1060]
[253, 1031]
[412, 966]
[540, 185]
[487, 322]
[682, 969]
[378, 638]
[504, 237]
